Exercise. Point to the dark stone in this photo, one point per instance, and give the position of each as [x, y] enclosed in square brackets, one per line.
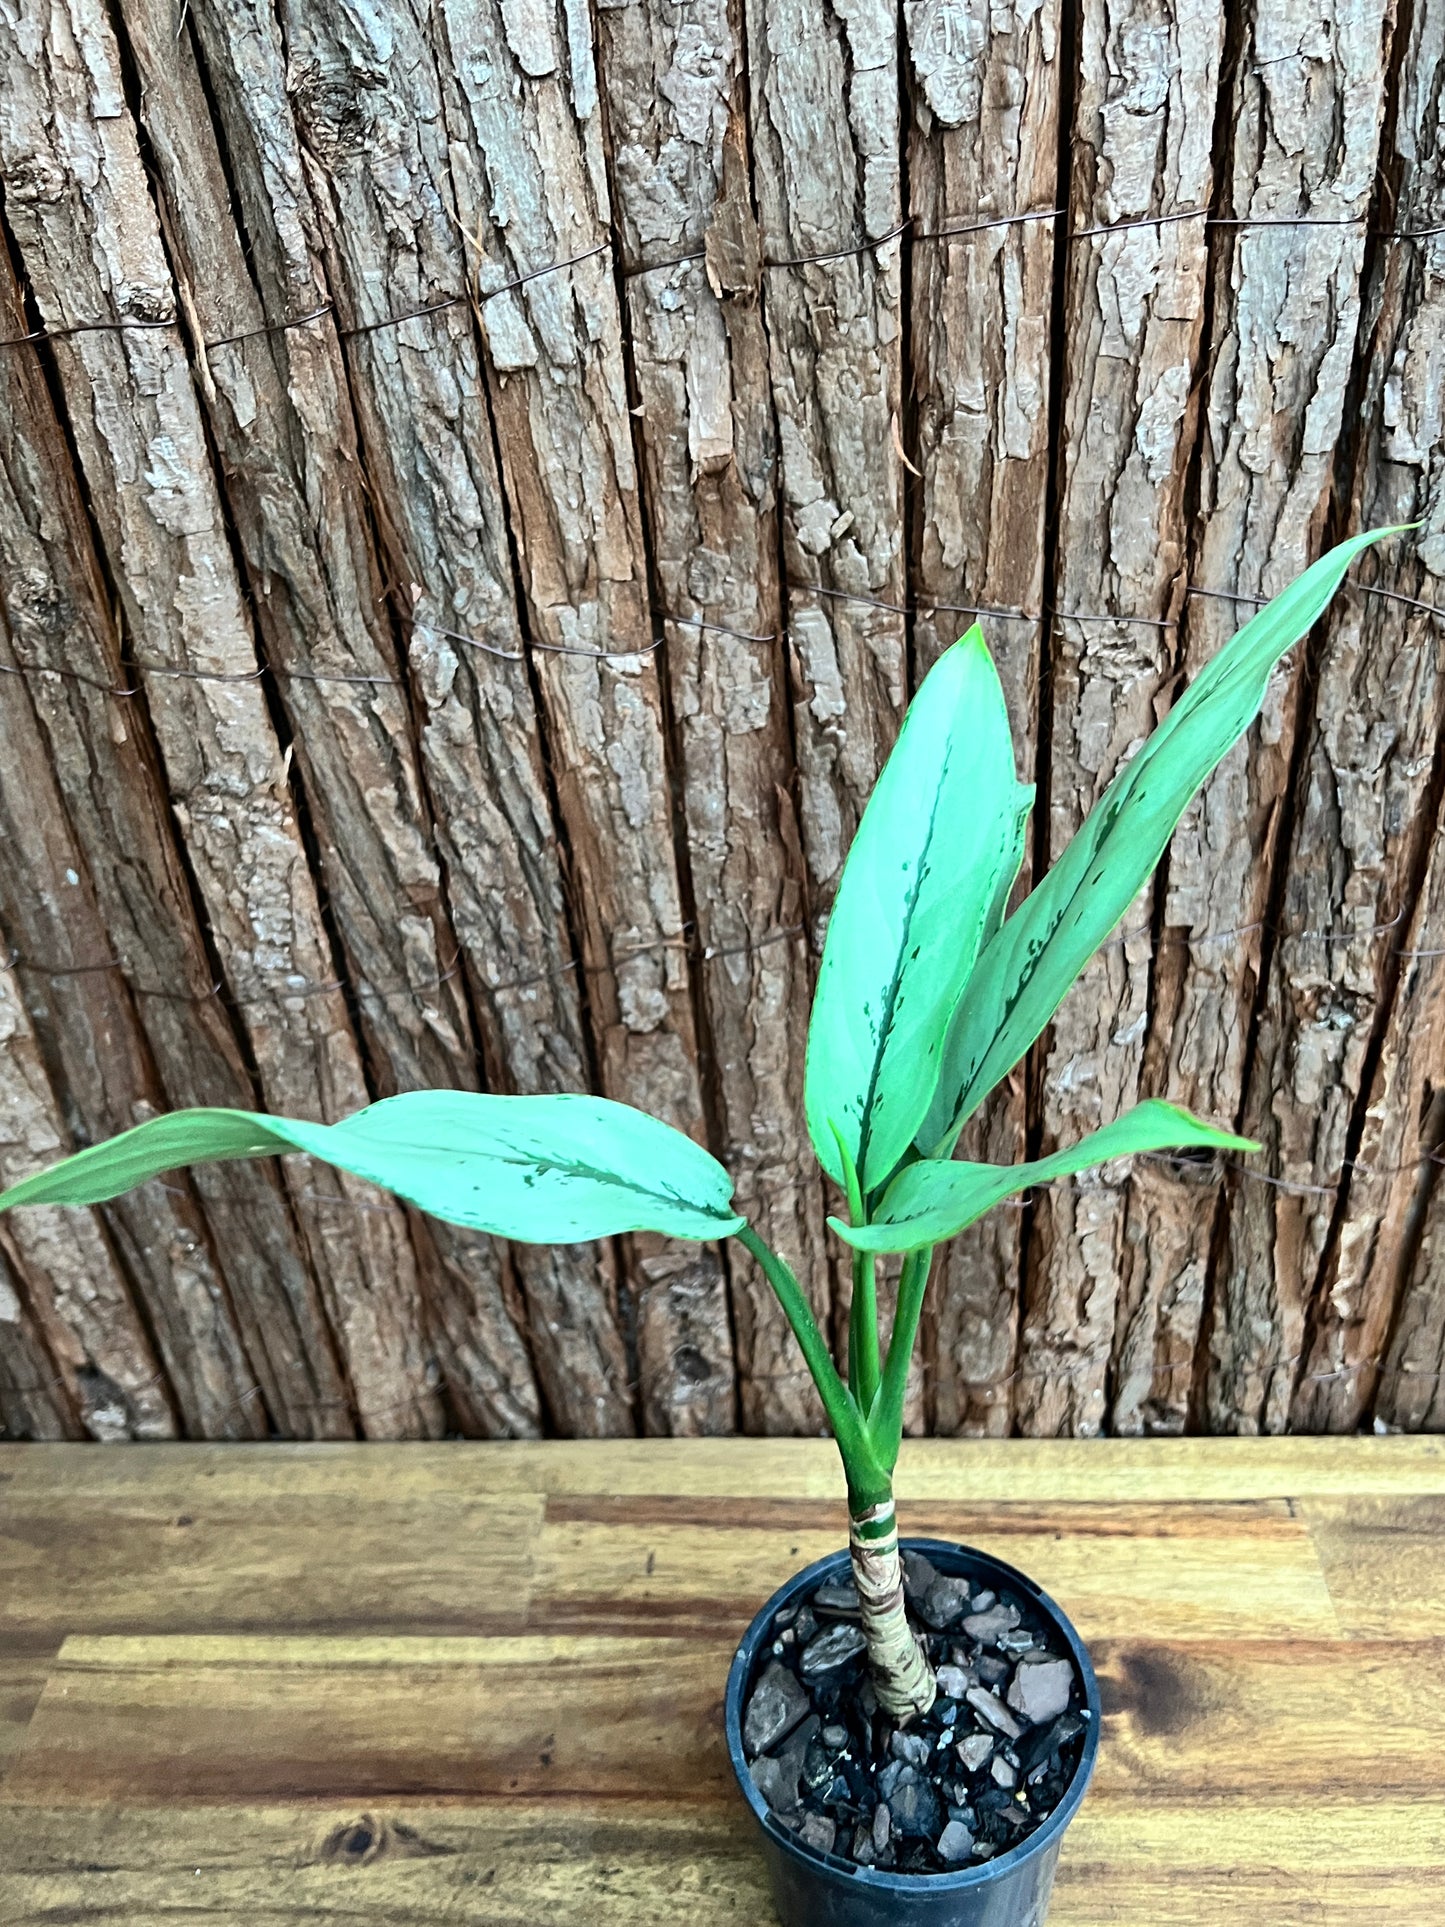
[835, 1738]
[837, 1602]
[1041, 1687]
[834, 1648]
[954, 1681]
[945, 1599]
[919, 1573]
[862, 1849]
[915, 1810]
[975, 1751]
[955, 1844]
[776, 1775]
[992, 1670]
[818, 1832]
[992, 1711]
[910, 1747]
[777, 1704]
[1041, 1747]
[988, 1627]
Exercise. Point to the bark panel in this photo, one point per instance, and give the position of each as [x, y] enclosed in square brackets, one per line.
[1134, 311]
[982, 147]
[280, 418]
[81, 1307]
[87, 236]
[674, 86]
[1306, 144]
[826, 146]
[94, 875]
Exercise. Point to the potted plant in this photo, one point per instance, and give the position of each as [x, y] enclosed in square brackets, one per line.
[913, 1727]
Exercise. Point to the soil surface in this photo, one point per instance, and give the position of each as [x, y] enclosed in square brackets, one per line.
[973, 1777]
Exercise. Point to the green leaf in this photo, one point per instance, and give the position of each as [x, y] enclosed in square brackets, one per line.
[930, 1201]
[935, 843]
[1027, 969]
[546, 1170]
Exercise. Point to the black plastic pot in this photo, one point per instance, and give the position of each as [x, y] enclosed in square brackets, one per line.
[812, 1889]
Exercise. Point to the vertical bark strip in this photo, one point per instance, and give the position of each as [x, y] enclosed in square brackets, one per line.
[80, 210]
[1386, 1298]
[77, 765]
[826, 146]
[982, 148]
[674, 85]
[525, 122]
[1307, 114]
[1367, 815]
[523, 117]
[279, 415]
[80, 1301]
[33, 1401]
[1134, 308]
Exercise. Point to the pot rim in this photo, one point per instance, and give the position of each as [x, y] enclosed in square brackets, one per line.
[876, 1879]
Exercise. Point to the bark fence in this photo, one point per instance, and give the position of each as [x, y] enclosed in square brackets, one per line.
[478, 483]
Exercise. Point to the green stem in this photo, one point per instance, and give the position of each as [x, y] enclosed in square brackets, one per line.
[864, 1369]
[868, 1482]
[885, 1416]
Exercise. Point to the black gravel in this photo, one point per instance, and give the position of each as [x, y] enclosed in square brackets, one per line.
[976, 1775]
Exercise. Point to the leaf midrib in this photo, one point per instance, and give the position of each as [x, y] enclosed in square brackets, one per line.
[890, 1004]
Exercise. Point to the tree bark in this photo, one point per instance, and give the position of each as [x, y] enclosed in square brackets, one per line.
[982, 150]
[1368, 812]
[1287, 302]
[94, 875]
[1134, 309]
[280, 419]
[33, 1401]
[80, 1301]
[90, 247]
[825, 124]
[674, 87]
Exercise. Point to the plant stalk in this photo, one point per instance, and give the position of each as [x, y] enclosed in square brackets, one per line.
[902, 1676]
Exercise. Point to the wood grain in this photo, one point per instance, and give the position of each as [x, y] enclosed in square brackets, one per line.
[279, 1707]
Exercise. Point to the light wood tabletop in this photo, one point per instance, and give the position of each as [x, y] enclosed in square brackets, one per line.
[483, 1683]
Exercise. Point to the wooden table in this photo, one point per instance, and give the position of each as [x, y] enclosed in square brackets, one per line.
[338, 1684]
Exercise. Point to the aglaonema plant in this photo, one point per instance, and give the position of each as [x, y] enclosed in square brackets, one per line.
[928, 995]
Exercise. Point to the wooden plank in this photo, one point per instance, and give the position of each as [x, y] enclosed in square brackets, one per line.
[1188, 1572]
[1134, 313]
[645, 1864]
[91, 249]
[81, 797]
[1179, 1863]
[321, 1719]
[1384, 1563]
[589, 1719]
[278, 412]
[1306, 114]
[678, 168]
[1321, 1863]
[22, 1677]
[198, 1559]
[987, 1472]
[982, 151]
